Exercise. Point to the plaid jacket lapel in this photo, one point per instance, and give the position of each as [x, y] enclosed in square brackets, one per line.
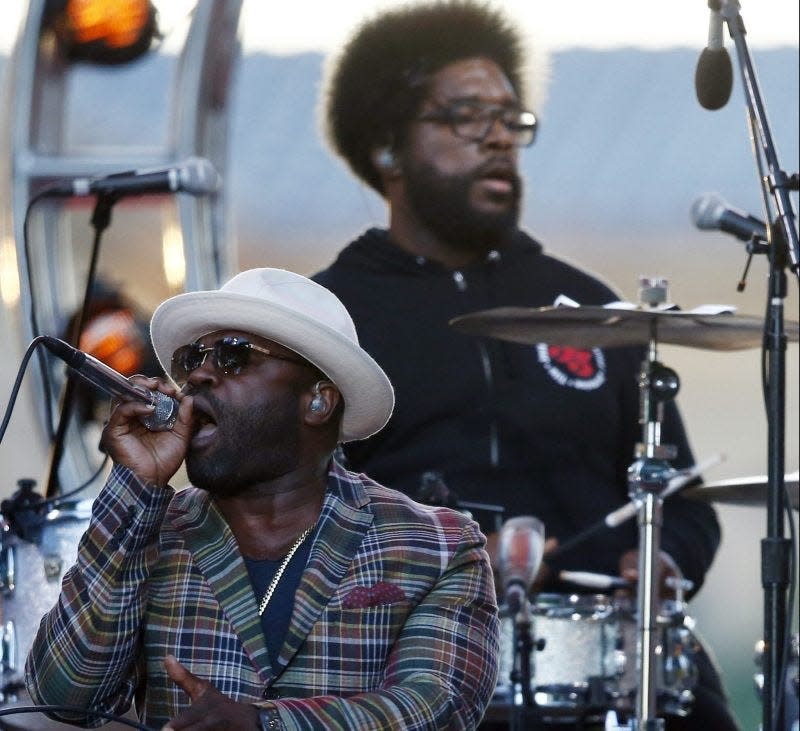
[344, 522]
[212, 544]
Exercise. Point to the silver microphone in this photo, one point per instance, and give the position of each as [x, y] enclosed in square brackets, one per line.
[710, 212]
[195, 175]
[115, 384]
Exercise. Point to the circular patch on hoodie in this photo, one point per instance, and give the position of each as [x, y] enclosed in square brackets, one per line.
[577, 368]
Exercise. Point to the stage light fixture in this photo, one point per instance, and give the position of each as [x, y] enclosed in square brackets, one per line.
[102, 31]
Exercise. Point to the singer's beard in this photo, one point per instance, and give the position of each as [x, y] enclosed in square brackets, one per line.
[253, 446]
[442, 203]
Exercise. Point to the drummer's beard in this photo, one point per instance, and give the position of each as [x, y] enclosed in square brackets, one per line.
[442, 203]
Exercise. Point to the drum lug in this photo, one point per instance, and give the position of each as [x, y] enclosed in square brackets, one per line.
[679, 704]
[8, 648]
[620, 662]
[8, 569]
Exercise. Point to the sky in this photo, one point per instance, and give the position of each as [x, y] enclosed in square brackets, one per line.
[320, 25]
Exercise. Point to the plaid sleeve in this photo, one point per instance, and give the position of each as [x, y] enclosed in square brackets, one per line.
[85, 652]
[442, 670]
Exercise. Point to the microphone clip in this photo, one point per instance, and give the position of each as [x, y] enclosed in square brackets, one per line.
[24, 511]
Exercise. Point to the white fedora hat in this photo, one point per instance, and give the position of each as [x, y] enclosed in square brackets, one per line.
[300, 315]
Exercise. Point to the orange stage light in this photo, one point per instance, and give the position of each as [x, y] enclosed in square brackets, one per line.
[102, 31]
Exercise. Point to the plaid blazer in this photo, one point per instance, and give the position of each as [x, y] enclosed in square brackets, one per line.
[394, 624]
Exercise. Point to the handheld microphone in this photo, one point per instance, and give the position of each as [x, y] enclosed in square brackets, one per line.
[520, 551]
[713, 76]
[711, 212]
[115, 384]
[195, 175]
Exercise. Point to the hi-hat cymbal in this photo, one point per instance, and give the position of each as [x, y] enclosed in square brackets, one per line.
[598, 326]
[742, 491]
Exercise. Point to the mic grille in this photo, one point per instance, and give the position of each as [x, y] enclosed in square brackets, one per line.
[198, 177]
[706, 210]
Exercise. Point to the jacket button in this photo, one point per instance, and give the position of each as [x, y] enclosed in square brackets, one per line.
[271, 694]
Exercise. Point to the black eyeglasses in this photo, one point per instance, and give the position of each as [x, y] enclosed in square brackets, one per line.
[472, 121]
[229, 355]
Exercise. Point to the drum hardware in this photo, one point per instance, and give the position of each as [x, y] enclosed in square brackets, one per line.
[679, 650]
[8, 570]
[649, 323]
[648, 477]
[628, 510]
[22, 512]
[650, 474]
[9, 678]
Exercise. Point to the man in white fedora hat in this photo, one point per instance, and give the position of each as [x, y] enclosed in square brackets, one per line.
[279, 590]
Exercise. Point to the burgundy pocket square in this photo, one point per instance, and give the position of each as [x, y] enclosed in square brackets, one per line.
[373, 596]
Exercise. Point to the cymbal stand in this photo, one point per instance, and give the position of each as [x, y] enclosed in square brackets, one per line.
[648, 476]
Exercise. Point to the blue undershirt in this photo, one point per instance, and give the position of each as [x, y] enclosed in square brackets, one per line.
[278, 614]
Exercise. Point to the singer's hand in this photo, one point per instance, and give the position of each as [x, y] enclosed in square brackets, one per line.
[210, 709]
[154, 456]
[629, 569]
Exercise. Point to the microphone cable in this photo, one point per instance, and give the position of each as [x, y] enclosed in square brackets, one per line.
[76, 709]
[27, 259]
[58, 499]
[17, 384]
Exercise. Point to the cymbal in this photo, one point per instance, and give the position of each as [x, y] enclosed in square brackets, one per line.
[599, 326]
[742, 491]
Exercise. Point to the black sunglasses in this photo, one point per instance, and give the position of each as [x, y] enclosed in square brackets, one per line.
[229, 355]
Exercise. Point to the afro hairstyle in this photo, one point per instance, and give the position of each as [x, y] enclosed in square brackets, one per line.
[375, 86]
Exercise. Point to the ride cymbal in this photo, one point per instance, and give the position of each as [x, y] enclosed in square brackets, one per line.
[597, 326]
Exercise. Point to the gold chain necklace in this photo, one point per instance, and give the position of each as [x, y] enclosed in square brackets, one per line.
[275, 579]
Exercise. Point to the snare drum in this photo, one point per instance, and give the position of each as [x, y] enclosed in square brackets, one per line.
[584, 658]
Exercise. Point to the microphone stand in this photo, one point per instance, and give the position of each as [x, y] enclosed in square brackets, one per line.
[521, 678]
[779, 183]
[101, 219]
[784, 249]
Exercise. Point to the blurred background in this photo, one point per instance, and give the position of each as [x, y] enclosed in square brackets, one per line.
[623, 151]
